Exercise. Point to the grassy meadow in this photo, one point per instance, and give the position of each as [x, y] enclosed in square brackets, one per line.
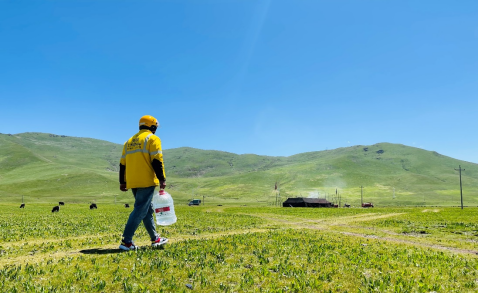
[416, 239]
[234, 248]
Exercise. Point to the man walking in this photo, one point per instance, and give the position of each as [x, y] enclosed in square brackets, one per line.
[142, 169]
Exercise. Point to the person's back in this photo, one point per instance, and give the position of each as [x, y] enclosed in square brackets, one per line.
[142, 169]
[139, 153]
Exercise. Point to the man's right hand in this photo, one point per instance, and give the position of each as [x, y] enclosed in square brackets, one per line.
[162, 185]
[123, 187]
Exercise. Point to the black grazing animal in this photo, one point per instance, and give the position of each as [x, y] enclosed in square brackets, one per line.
[22, 205]
[126, 205]
[61, 203]
[93, 206]
[55, 209]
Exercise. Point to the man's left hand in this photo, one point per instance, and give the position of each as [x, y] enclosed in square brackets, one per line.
[123, 187]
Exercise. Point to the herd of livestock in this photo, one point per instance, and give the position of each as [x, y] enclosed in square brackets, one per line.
[57, 208]
[126, 205]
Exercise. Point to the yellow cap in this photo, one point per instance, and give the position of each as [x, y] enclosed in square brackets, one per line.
[148, 121]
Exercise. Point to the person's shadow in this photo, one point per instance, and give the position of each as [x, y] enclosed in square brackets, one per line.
[101, 251]
[117, 250]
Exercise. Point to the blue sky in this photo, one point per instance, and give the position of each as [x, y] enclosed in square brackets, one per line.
[270, 77]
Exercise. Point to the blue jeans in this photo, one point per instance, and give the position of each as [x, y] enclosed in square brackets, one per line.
[143, 211]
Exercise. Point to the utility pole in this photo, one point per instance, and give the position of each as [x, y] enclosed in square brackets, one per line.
[361, 195]
[202, 199]
[461, 190]
[338, 197]
[278, 195]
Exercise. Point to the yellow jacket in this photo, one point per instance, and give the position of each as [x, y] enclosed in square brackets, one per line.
[138, 155]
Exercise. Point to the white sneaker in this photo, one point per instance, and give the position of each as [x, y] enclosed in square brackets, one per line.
[127, 246]
[160, 241]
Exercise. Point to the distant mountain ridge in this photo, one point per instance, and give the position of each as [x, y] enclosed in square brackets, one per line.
[47, 165]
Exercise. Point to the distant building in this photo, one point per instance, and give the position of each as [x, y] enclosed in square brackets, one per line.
[306, 202]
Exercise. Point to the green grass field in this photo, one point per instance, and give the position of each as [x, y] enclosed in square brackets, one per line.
[241, 249]
[416, 239]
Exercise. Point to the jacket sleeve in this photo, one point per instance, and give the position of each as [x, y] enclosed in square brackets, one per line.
[123, 165]
[156, 155]
[158, 170]
[121, 174]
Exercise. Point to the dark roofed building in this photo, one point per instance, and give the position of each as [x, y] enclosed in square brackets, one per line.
[306, 202]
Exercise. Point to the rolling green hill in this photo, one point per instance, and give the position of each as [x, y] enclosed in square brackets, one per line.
[49, 168]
